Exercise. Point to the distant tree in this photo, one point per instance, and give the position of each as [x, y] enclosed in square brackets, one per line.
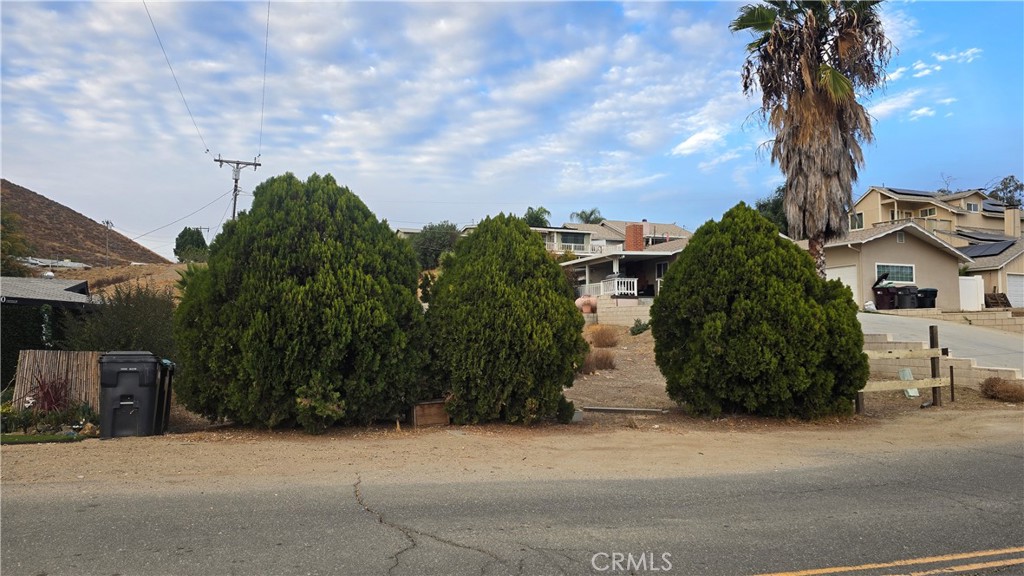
[12, 246]
[592, 216]
[537, 217]
[771, 207]
[190, 246]
[131, 317]
[1009, 191]
[809, 62]
[503, 333]
[743, 323]
[306, 313]
[434, 240]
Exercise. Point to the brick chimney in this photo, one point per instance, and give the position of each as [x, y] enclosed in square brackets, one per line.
[1011, 222]
[634, 238]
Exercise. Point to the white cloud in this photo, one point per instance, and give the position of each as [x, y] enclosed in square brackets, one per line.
[899, 26]
[946, 101]
[921, 69]
[921, 113]
[703, 140]
[896, 74]
[894, 104]
[966, 56]
[721, 159]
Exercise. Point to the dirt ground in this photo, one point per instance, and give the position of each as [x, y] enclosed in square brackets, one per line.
[198, 454]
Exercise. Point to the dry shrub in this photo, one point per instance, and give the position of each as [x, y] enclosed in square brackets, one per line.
[104, 282]
[1002, 390]
[598, 360]
[603, 336]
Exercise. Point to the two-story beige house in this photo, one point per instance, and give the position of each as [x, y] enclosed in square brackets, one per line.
[960, 219]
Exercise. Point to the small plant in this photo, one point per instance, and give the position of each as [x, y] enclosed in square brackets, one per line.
[603, 336]
[639, 327]
[566, 410]
[1002, 390]
[598, 360]
[51, 395]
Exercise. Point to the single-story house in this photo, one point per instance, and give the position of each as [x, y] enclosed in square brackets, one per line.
[39, 291]
[908, 253]
[1001, 265]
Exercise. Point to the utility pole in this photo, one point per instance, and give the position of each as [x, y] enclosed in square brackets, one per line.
[109, 225]
[236, 169]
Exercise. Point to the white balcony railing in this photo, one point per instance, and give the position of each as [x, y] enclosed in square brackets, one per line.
[613, 286]
[562, 248]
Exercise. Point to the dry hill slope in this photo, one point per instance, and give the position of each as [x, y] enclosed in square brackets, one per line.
[54, 231]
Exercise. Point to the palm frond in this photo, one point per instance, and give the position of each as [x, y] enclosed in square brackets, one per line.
[755, 17]
[838, 87]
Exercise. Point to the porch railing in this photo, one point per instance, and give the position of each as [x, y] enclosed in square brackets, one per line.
[562, 247]
[613, 286]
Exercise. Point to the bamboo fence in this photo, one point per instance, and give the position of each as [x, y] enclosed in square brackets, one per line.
[81, 370]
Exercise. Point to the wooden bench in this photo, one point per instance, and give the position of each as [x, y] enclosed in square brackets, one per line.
[935, 383]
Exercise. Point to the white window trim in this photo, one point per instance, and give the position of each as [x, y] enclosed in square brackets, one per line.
[658, 265]
[913, 272]
[901, 238]
[972, 207]
[923, 213]
[857, 216]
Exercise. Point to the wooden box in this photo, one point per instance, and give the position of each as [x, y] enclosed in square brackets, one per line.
[430, 413]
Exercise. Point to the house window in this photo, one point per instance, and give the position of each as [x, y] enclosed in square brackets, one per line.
[972, 206]
[926, 212]
[897, 272]
[900, 237]
[856, 221]
[660, 269]
[892, 215]
[573, 238]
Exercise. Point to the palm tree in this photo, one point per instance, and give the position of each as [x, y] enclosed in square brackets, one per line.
[537, 217]
[592, 216]
[809, 59]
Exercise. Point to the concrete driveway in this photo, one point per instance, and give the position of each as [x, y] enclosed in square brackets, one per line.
[990, 348]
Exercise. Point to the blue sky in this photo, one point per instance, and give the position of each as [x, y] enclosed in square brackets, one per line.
[455, 111]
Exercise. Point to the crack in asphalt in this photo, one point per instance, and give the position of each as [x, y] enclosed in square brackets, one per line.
[411, 533]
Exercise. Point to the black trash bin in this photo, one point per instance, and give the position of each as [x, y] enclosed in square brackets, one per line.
[885, 296]
[163, 404]
[926, 297]
[906, 297]
[129, 394]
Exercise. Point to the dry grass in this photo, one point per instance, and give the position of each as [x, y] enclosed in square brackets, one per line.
[603, 336]
[1003, 390]
[598, 360]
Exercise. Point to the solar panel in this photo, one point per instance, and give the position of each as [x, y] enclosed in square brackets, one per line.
[906, 192]
[993, 249]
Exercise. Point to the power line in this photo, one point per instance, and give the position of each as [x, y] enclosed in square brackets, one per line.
[168, 60]
[183, 217]
[263, 100]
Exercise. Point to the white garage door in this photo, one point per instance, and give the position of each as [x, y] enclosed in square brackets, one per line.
[1015, 289]
[847, 275]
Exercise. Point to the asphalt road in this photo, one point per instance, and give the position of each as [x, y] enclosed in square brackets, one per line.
[989, 347]
[886, 508]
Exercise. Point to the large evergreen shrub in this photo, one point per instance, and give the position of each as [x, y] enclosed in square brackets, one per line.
[504, 335]
[743, 323]
[306, 313]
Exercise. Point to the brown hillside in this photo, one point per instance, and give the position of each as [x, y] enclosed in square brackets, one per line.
[54, 231]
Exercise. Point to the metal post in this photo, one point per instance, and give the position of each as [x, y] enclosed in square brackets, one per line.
[933, 342]
[952, 385]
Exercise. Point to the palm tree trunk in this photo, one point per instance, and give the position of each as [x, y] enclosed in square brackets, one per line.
[816, 247]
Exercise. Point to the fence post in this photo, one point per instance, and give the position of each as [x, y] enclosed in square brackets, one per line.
[952, 385]
[933, 342]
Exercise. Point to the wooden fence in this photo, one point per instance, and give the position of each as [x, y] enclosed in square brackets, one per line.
[81, 370]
